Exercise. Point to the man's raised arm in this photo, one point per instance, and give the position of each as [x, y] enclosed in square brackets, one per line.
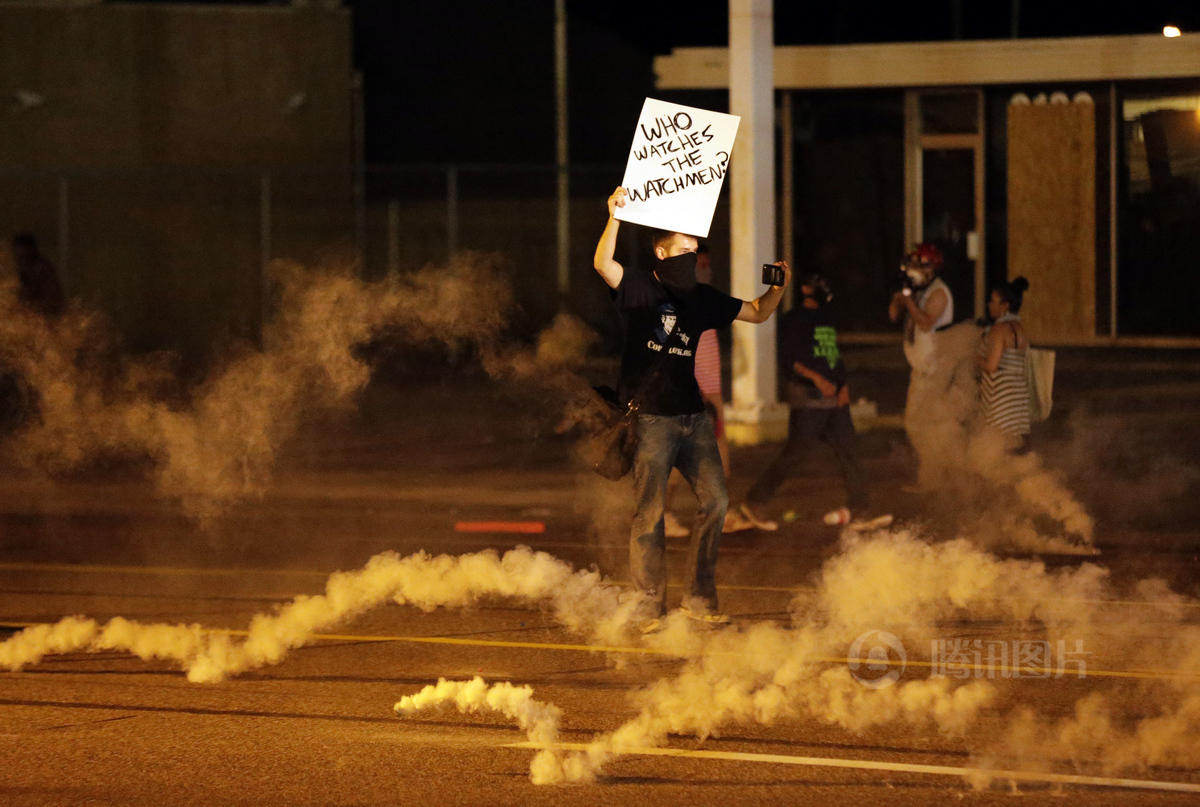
[603, 261]
[760, 310]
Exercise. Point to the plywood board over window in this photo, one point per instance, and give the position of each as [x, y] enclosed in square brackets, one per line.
[1052, 216]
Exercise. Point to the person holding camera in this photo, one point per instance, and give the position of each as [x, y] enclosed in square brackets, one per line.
[818, 401]
[663, 312]
[925, 305]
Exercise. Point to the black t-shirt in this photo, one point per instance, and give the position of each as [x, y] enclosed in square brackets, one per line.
[806, 336]
[661, 331]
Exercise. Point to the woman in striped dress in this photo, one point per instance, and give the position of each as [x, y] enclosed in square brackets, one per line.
[1003, 372]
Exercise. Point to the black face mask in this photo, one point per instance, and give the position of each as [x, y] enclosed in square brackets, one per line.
[678, 273]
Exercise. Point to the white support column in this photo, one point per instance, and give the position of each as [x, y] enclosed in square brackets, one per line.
[562, 154]
[913, 201]
[755, 414]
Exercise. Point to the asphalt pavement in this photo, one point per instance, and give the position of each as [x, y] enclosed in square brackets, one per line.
[425, 457]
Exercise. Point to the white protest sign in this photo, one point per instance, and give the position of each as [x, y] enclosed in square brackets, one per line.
[676, 167]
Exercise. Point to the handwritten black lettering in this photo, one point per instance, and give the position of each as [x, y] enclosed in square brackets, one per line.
[666, 148]
[664, 186]
[691, 159]
[679, 122]
[663, 149]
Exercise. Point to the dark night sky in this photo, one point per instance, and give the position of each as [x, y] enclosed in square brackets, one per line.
[458, 81]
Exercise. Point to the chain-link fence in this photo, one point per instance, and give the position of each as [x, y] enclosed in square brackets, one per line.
[178, 256]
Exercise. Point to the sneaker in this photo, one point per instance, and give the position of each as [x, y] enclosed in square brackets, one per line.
[877, 523]
[673, 527]
[704, 617]
[654, 625]
[736, 522]
[759, 523]
[835, 518]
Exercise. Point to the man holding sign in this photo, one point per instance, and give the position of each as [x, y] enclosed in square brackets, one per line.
[663, 312]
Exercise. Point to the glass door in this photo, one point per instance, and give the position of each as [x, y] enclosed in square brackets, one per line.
[948, 220]
[944, 193]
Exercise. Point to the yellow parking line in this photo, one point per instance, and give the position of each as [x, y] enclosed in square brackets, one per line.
[200, 571]
[451, 640]
[894, 767]
[83, 568]
[459, 640]
[1025, 673]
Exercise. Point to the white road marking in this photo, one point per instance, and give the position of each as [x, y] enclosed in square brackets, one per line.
[895, 767]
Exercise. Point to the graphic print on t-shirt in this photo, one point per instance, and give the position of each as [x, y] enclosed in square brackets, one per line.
[825, 344]
[668, 316]
[661, 333]
[668, 330]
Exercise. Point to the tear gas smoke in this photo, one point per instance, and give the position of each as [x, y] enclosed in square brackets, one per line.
[766, 673]
[1010, 497]
[565, 343]
[582, 601]
[552, 368]
[726, 688]
[217, 444]
[834, 696]
[539, 720]
[1127, 474]
[770, 673]
[870, 584]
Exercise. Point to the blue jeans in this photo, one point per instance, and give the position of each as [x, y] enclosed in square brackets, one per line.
[689, 443]
[806, 425]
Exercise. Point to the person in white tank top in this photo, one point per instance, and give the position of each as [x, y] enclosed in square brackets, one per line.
[925, 305]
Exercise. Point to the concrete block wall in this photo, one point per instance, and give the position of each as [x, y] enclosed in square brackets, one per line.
[134, 139]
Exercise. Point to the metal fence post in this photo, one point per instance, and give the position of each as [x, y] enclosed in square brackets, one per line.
[264, 244]
[1114, 245]
[64, 230]
[393, 237]
[451, 211]
[360, 171]
[562, 153]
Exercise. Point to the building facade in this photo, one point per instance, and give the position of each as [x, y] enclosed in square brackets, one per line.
[164, 153]
[1074, 162]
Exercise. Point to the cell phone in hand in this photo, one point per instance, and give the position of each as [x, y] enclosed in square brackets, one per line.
[772, 275]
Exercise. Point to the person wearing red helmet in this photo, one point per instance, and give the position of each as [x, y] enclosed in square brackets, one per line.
[925, 305]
